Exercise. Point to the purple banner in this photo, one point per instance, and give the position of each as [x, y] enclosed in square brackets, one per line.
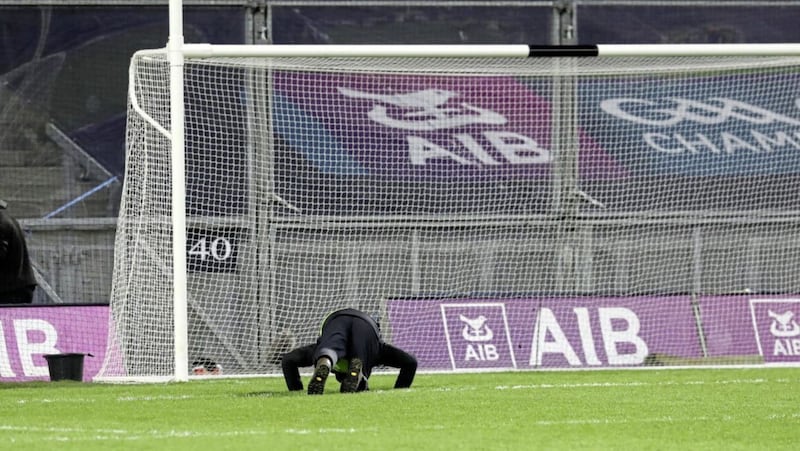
[727, 326]
[423, 126]
[543, 332]
[776, 328]
[28, 333]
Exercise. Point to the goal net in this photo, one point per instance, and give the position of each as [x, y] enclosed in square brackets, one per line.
[493, 213]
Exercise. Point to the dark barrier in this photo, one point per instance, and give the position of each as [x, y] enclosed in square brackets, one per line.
[65, 366]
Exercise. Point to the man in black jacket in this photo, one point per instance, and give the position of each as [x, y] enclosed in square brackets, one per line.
[17, 281]
[350, 346]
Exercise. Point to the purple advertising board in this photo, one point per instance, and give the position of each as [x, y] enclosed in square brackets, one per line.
[388, 139]
[543, 332]
[588, 332]
[727, 326]
[424, 126]
[776, 328]
[28, 333]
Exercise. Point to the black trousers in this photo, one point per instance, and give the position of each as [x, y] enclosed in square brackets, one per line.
[349, 337]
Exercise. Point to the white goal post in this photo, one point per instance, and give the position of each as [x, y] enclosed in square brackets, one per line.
[497, 206]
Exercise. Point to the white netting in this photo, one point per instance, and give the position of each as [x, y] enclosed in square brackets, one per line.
[593, 211]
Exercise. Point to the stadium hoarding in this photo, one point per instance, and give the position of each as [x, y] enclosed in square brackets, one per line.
[698, 124]
[433, 127]
[486, 143]
[433, 143]
[777, 329]
[592, 332]
[424, 127]
[27, 333]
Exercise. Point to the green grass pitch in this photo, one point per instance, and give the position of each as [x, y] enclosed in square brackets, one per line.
[704, 409]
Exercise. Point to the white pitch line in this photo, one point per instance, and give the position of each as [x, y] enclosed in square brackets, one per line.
[643, 384]
[329, 431]
[96, 435]
[7, 427]
[119, 399]
[157, 398]
[120, 434]
[664, 419]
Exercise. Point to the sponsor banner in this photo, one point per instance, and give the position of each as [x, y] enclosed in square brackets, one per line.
[777, 331]
[698, 125]
[424, 127]
[478, 335]
[543, 332]
[471, 128]
[727, 326]
[27, 333]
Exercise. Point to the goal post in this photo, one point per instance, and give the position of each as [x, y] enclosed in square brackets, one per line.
[497, 207]
[175, 53]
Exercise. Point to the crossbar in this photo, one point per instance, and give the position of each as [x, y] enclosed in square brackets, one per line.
[490, 50]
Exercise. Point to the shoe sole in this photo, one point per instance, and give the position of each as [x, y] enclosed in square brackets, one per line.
[317, 384]
[353, 377]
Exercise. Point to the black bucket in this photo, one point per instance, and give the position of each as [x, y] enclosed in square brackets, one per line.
[65, 366]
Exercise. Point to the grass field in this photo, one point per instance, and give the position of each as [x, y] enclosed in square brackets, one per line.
[722, 409]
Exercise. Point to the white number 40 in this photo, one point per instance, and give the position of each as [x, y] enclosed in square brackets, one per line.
[219, 249]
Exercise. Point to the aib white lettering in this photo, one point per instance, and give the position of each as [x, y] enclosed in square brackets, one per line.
[481, 352]
[787, 347]
[434, 109]
[513, 147]
[547, 325]
[33, 336]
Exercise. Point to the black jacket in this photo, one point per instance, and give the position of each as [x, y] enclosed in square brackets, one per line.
[16, 272]
[386, 355]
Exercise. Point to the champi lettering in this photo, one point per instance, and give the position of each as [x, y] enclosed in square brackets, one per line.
[723, 143]
[673, 111]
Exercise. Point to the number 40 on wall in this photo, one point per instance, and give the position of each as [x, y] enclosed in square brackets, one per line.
[213, 250]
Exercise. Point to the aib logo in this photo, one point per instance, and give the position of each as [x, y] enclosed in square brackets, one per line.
[783, 325]
[476, 329]
[477, 335]
[424, 110]
[777, 330]
[416, 114]
[786, 334]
